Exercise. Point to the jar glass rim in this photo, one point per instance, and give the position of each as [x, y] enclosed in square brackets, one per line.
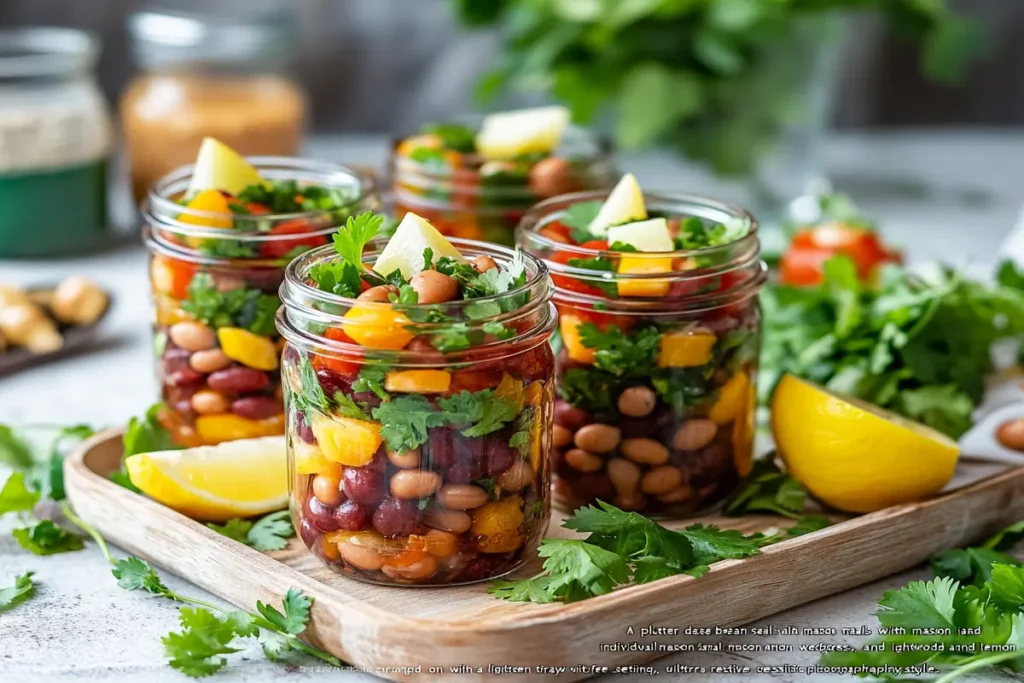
[159, 208]
[46, 51]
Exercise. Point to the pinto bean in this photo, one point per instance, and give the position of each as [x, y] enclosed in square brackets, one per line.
[584, 461]
[660, 480]
[517, 477]
[434, 287]
[380, 294]
[360, 556]
[238, 380]
[553, 176]
[210, 360]
[208, 402]
[598, 438]
[327, 489]
[569, 416]
[1011, 434]
[483, 263]
[694, 435]
[415, 483]
[561, 436]
[454, 521]
[405, 460]
[461, 496]
[625, 476]
[645, 451]
[679, 495]
[192, 336]
[420, 570]
[637, 401]
[635, 501]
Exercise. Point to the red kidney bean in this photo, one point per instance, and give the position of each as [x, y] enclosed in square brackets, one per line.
[184, 378]
[500, 455]
[395, 517]
[238, 380]
[351, 516]
[364, 486]
[321, 516]
[333, 382]
[175, 359]
[380, 460]
[535, 364]
[255, 407]
[570, 417]
[307, 532]
[303, 429]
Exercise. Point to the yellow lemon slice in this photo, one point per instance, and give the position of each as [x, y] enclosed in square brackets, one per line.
[404, 251]
[506, 135]
[625, 203]
[218, 167]
[216, 483]
[855, 456]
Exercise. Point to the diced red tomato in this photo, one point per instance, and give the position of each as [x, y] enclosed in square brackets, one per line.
[803, 263]
[171, 276]
[570, 283]
[298, 226]
[257, 209]
[342, 366]
[597, 245]
[558, 229]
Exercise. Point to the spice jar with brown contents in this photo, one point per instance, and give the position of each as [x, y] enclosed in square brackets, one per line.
[205, 75]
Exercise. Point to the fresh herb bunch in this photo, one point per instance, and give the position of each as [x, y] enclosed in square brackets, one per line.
[242, 307]
[966, 620]
[716, 79]
[918, 345]
[768, 490]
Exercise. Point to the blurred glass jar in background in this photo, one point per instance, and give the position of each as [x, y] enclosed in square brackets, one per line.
[208, 75]
[55, 139]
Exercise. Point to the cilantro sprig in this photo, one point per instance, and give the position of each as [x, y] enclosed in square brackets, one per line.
[243, 307]
[270, 532]
[622, 548]
[21, 590]
[344, 277]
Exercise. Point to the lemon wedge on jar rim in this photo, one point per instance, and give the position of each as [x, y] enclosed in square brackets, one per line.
[855, 456]
[216, 483]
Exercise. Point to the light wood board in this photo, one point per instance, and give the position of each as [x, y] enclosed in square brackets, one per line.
[377, 627]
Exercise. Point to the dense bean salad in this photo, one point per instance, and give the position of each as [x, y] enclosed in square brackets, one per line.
[475, 181]
[419, 392]
[217, 262]
[659, 334]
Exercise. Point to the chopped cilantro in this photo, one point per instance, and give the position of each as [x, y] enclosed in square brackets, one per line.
[578, 218]
[243, 307]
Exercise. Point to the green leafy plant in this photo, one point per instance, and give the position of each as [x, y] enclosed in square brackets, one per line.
[715, 79]
[270, 532]
[19, 592]
[243, 307]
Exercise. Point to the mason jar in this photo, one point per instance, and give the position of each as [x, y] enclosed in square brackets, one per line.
[214, 280]
[656, 366]
[55, 142]
[391, 482]
[466, 196]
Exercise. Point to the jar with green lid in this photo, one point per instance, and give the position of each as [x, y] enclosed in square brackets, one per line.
[55, 141]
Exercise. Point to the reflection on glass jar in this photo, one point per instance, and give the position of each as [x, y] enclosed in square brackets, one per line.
[214, 280]
[655, 388]
[208, 75]
[464, 195]
[409, 464]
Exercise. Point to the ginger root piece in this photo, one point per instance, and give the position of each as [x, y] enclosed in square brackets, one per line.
[28, 326]
[78, 301]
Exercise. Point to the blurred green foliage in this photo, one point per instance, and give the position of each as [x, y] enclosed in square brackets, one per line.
[715, 79]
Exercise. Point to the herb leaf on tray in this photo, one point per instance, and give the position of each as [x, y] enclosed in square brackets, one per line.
[19, 592]
[270, 532]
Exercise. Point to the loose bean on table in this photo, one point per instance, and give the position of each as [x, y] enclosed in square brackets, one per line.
[584, 461]
[207, 402]
[1011, 434]
[637, 401]
[406, 460]
[561, 436]
[645, 451]
[694, 435]
[454, 521]
[625, 475]
[210, 360]
[660, 480]
[192, 336]
[461, 496]
[598, 438]
[414, 483]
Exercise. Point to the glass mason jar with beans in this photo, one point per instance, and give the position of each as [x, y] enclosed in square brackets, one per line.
[215, 269]
[440, 174]
[418, 433]
[656, 352]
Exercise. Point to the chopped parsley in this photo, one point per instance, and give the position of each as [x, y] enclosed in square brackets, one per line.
[578, 218]
[244, 307]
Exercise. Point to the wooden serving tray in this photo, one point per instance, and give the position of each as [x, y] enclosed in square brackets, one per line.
[380, 628]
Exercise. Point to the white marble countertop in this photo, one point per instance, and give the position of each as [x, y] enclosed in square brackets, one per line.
[950, 195]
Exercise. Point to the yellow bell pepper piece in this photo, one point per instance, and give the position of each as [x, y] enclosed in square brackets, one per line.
[418, 381]
[743, 430]
[568, 326]
[377, 326]
[213, 429]
[208, 201]
[685, 349]
[498, 525]
[346, 440]
[539, 394]
[310, 460]
[733, 399]
[643, 265]
[248, 348]
[511, 389]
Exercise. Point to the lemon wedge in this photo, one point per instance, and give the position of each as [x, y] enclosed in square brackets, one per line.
[506, 135]
[404, 251]
[649, 235]
[624, 204]
[216, 483]
[218, 167]
[855, 456]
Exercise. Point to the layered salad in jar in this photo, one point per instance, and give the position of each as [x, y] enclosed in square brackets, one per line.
[419, 389]
[220, 234]
[659, 335]
[476, 180]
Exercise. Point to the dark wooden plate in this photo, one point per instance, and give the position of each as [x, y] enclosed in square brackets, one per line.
[77, 339]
